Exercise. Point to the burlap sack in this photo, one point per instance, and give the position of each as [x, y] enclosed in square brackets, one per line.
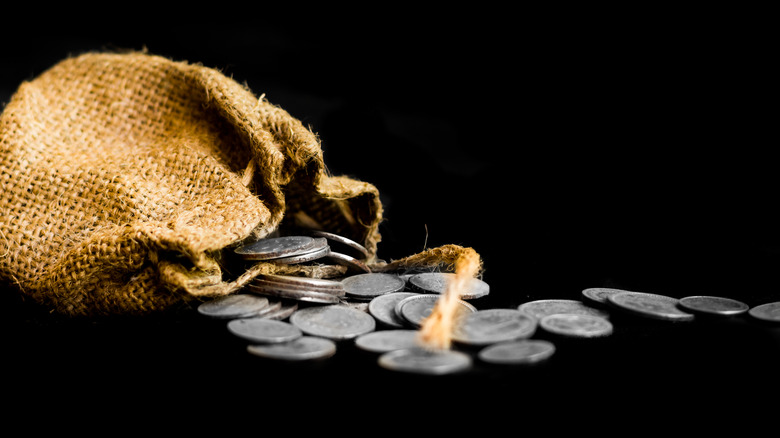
[125, 177]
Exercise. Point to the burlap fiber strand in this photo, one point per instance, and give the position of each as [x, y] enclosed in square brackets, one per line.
[126, 176]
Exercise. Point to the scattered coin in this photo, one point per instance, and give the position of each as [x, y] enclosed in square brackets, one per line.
[712, 305]
[233, 306]
[371, 285]
[423, 361]
[436, 282]
[333, 321]
[319, 252]
[415, 309]
[650, 305]
[359, 251]
[600, 294]
[264, 331]
[300, 349]
[275, 247]
[383, 308]
[490, 326]
[524, 351]
[576, 325]
[541, 308]
[766, 312]
[285, 310]
[383, 341]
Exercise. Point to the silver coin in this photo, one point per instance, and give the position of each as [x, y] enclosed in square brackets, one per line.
[280, 291]
[304, 257]
[300, 349]
[350, 262]
[576, 325]
[233, 306]
[274, 247]
[302, 282]
[650, 305]
[436, 283]
[524, 351]
[414, 310]
[383, 341]
[357, 248]
[371, 285]
[541, 308]
[383, 308]
[285, 310]
[713, 305]
[273, 306]
[490, 326]
[264, 331]
[766, 312]
[600, 294]
[333, 322]
[424, 361]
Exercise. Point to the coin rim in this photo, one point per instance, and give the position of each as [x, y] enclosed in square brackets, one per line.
[388, 361]
[271, 351]
[744, 307]
[482, 290]
[755, 311]
[545, 321]
[483, 354]
[304, 247]
[248, 313]
[295, 334]
[309, 329]
[681, 316]
[528, 332]
[346, 282]
[397, 322]
[596, 310]
[401, 304]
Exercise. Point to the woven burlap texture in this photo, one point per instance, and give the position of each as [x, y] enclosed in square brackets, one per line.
[125, 176]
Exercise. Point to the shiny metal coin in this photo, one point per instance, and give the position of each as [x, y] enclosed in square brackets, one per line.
[490, 326]
[415, 309]
[300, 349]
[423, 361]
[233, 306]
[383, 308]
[275, 247]
[712, 305]
[359, 251]
[383, 341]
[600, 294]
[304, 257]
[371, 285]
[650, 305]
[576, 325]
[301, 282]
[541, 308]
[766, 312]
[264, 331]
[350, 262]
[333, 322]
[280, 291]
[524, 351]
[285, 310]
[436, 283]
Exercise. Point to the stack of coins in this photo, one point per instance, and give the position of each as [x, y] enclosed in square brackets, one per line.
[295, 318]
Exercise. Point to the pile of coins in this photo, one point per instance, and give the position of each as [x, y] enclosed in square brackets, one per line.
[293, 318]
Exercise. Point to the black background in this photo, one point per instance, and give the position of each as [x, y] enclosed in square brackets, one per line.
[570, 148]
